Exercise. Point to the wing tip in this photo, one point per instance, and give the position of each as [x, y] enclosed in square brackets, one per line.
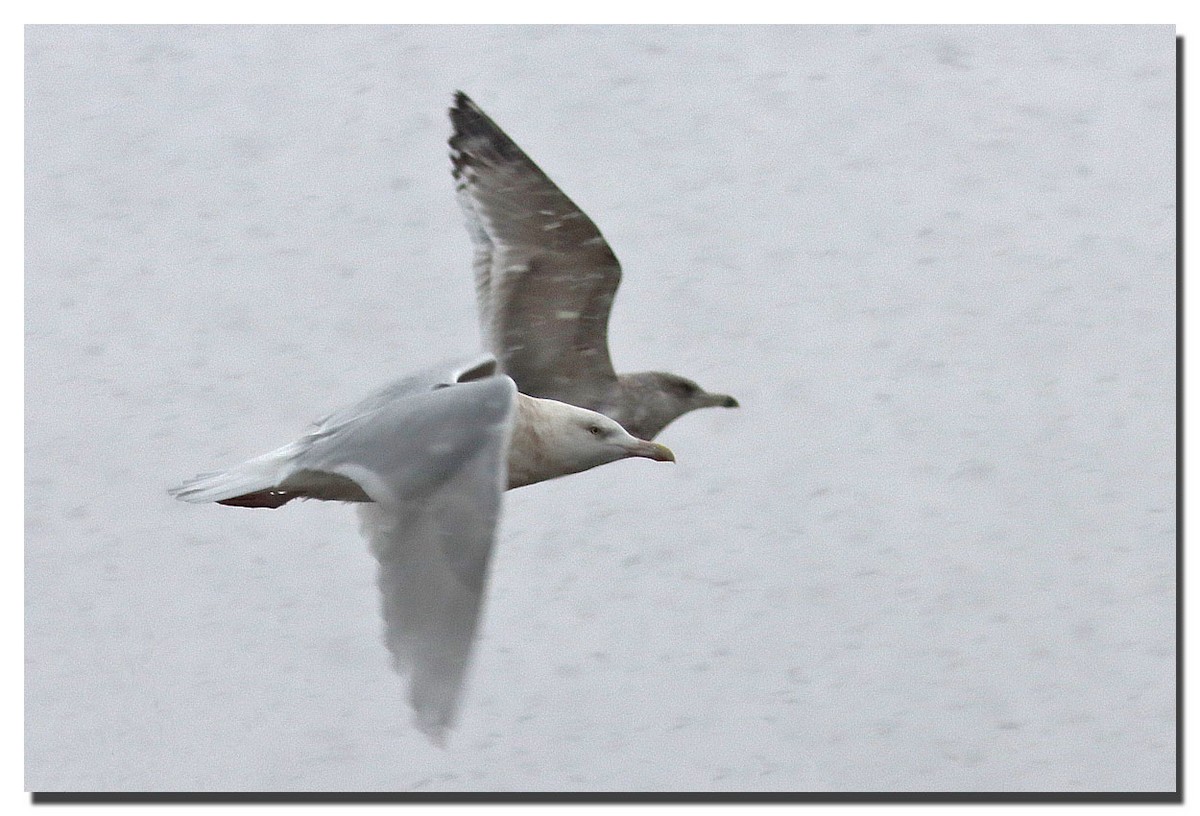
[476, 136]
[464, 113]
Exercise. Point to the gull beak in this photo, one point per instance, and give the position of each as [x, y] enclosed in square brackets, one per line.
[718, 401]
[650, 450]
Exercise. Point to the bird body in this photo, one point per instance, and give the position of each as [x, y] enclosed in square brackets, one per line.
[427, 459]
[546, 441]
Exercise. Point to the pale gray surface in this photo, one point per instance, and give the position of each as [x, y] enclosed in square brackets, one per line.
[934, 550]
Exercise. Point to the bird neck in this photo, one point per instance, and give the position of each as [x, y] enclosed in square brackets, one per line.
[532, 450]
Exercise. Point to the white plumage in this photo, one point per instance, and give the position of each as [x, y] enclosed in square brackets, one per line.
[427, 458]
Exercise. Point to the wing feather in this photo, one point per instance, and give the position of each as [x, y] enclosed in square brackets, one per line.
[434, 463]
[545, 276]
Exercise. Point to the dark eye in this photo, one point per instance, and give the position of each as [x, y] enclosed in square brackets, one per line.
[594, 430]
[688, 389]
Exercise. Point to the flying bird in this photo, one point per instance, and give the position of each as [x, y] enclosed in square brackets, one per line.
[545, 280]
[427, 458]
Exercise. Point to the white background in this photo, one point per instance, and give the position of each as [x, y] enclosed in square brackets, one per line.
[933, 551]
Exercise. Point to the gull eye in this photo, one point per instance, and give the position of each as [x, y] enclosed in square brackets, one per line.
[594, 430]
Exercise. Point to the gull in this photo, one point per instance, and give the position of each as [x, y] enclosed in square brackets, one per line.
[545, 280]
[426, 458]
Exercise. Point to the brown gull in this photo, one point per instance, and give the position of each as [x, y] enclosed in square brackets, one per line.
[545, 280]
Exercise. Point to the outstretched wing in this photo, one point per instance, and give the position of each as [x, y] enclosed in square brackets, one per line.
[545, 277]
[435, 465]
[429, 455]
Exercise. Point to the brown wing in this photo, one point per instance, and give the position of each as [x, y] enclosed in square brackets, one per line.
[544, 275]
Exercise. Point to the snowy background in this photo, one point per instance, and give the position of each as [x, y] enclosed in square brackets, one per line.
[934, 549]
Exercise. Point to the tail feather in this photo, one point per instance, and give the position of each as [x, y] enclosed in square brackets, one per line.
[254, 483]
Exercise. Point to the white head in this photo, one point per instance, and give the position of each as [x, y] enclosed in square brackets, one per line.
[552, 439]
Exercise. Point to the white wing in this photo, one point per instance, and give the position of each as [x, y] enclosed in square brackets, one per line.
[431, 453]
[435, 472]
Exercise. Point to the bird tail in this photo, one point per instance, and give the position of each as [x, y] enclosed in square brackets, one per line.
[254, 483]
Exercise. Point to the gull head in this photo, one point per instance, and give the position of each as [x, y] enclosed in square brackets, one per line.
[591, 438]
[654, 399]
[552, 439]
[688, 393]
[606, 438]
